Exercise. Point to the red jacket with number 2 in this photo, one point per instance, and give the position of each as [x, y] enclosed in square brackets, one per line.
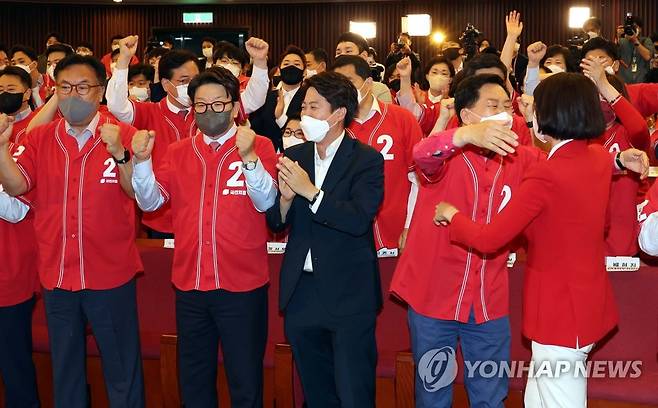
[561, 209]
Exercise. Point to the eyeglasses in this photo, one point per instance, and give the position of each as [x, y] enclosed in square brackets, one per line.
[217, 107]
[299, 134]
[81, 89]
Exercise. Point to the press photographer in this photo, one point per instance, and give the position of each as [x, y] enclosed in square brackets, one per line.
[635, 51]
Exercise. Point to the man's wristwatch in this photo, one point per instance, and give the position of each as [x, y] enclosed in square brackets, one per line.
[250, 165]
[126, 158]
[315, 197]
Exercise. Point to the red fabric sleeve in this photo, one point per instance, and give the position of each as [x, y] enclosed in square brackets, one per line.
[633, 122]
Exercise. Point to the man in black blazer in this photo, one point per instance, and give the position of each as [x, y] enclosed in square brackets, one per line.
[330, 190]
[281, 103]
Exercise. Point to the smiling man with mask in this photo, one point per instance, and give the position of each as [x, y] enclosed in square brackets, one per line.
[480, 165]
[26, 58]
[393, 131]
[330, 190]
[217, 298]
[77, 169]
[170, 119]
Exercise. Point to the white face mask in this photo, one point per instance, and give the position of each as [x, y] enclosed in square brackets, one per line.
[51, 71]
[535, 125]
[26, 68]
[290, 141]
[556, 69]
[207, 52]
[235, 70]
[609, 70]
[314, 129]
[310, 72]
[140, 93]
[115, 47]
[502, 116]
[592, 34]
[183, 98]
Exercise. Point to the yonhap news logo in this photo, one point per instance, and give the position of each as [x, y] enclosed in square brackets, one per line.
[437, 368]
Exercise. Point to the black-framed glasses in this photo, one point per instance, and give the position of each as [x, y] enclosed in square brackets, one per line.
[299, 134]
[81, 89]
[217, 106]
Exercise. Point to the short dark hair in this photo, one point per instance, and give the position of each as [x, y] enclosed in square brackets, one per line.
[467, 92]
[76, 59]
[320, 55]
[599, 43]
[141, 69]
[581, 118]
[25, 78]
[361, 43]
[293, 49]
[65, 48]
[557, 49]
[360, 65]
[117, 37]
[216, 75]
[157, 52]
[86, 45]
[29, 51]
[168, 40]
[337, 90]
[485, 60]
[225, 48]
[405, 34]
[55, 34]
[172, 60]
[293, 116]
[210, 40]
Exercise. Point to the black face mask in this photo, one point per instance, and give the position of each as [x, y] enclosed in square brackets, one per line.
[451, 53]
[10, 102]
[394, 85]
[291, 75]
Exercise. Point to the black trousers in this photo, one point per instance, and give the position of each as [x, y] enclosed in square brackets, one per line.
[112, 315]
[336, 356]
[16, 366]
[238, 322]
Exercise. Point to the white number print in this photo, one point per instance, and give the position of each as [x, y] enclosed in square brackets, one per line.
[18, 152]
[615, 148]
[387, 140]
[235, 181]
[507, 195]
[109, 171]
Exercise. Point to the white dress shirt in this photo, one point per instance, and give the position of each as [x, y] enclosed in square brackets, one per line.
[260, 185]
[287, 97]
[321, 170]
[117, 96]
[86, 134]
[531, 80]
[255, 93]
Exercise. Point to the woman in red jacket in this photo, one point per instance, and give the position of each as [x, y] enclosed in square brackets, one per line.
[561, 207]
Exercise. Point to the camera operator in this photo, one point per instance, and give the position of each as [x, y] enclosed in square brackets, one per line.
[402, 49]
[376, 69]
[635, 51]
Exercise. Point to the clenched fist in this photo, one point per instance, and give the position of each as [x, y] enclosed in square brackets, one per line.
[257, 50]
[6, 127]
[536, 52]
[142, 143]
[127, 50]
[244, 141]
[404, 67]
[111, 136]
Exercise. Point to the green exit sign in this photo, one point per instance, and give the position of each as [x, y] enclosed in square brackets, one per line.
[197, 18]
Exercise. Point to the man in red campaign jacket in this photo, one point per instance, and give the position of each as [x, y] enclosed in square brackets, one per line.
[19, 281]
[451, 290]
[219, 183]
[170, 119]
[392, 131]
[625, 128]
[75, 170]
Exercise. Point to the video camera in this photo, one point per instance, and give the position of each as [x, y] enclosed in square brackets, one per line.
[578, 40]
[469, 39]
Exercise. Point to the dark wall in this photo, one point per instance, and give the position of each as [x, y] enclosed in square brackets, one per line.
[311, 25]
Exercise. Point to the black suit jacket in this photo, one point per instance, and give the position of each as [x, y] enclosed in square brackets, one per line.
[339, 234]
[263, 122]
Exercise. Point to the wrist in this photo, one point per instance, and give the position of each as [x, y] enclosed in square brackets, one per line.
[460, 139]
[311, 193]
[123, 62]
[260, 63]
[137, 159]
[452, 214]
[249, 156]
